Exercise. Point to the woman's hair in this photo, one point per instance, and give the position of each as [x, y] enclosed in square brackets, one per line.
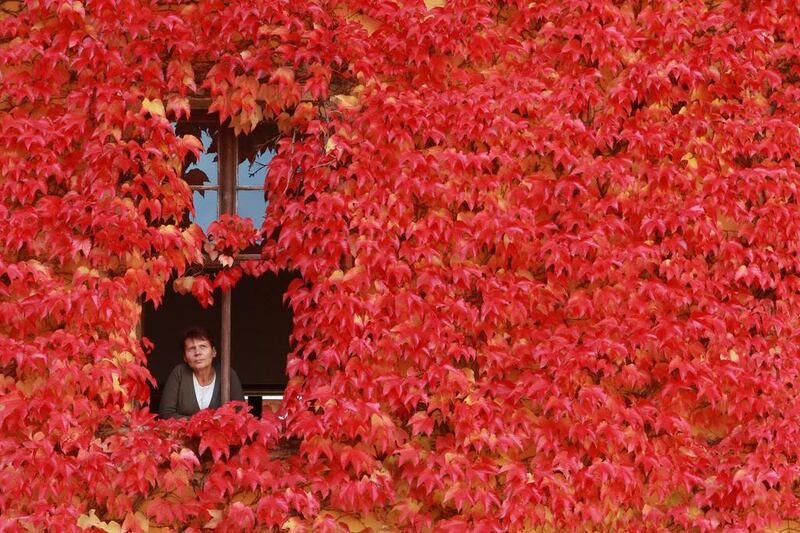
[197, 332]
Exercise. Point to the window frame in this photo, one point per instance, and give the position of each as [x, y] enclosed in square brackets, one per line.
[228, 186]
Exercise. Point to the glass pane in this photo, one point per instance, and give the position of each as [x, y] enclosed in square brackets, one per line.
[256, 150]
[252, 173]
[206, 206]
[204, 171]
[251, 204]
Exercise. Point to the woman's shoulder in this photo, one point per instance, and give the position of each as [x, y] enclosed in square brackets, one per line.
[217, 368]
[180, 370]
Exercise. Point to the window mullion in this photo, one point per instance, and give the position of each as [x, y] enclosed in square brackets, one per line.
[225, 363]
[228, 168]
[228, 164]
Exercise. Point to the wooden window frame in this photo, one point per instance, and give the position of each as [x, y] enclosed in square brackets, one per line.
[227, 169]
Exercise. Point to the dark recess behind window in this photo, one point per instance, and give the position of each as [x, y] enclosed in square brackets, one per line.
[260, 329]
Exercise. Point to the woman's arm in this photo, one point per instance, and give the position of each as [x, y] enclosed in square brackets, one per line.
[168, 407]
[236, 387]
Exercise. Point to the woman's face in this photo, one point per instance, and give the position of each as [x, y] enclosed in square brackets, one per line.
[198, 354]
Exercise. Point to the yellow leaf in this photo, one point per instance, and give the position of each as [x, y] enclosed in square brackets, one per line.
[33, 263]
[691, 161]
[353, 272]
[282, 75]
[91, 520]
[154, 107]
[76, 7]
[345, 100]
[430, 4]
[330, 145]
[786, 526]
[115, 382]
[687, 452]
[124, 357]
[368, 23]
[675, 498]
[726, 223]
[247, 497]
[134, 259]
[373, 522]
[284, 122]
[170, 230]
[143, 521]
[524, 274]
[293, 524]
[183, 285]
[353, 524]
[28, 385]
[216, 516]
[255, 118]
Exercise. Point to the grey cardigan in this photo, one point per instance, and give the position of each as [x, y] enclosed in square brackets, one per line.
[178, 399]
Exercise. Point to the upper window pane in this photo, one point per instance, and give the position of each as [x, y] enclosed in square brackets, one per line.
[252, 173]
[203, 171]
[256, 150]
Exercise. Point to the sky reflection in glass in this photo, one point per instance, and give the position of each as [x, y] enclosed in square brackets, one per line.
[253, 174]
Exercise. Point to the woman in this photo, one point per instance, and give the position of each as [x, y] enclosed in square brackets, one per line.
[194, 384]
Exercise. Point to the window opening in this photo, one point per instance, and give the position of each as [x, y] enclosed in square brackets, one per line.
[252, 322]
[261, 325]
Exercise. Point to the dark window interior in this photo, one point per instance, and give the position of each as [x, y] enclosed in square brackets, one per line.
[260, 329]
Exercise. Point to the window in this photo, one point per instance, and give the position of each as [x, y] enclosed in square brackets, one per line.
[228, 177]
[251, 322]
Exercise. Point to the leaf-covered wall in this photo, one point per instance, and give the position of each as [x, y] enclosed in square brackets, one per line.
[548, 255]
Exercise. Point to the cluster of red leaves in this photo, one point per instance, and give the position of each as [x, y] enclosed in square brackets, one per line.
[548, 256]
